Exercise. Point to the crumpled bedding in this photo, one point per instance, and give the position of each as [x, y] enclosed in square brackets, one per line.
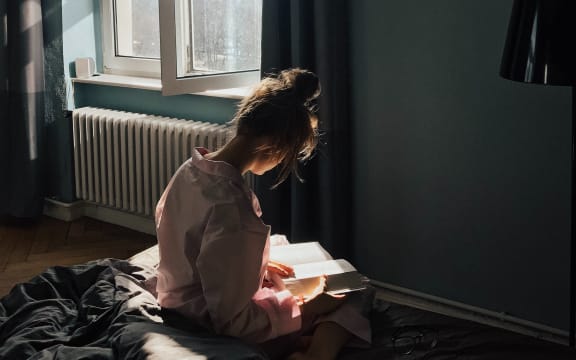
[100, 310]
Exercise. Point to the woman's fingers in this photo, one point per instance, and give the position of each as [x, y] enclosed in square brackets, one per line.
[280, 269]
[276, 281]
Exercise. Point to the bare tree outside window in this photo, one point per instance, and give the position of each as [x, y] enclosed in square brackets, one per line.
[224, 35]
[137, 28]
[212, 37]
[146, 29]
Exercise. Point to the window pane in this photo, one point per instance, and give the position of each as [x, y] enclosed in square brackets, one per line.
[222, 35]
[137, 28]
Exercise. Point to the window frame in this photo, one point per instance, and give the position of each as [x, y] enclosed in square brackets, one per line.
[164, 68]
[122, 65]
[171, 83]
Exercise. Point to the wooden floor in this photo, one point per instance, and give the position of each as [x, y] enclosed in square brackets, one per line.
[27, 251]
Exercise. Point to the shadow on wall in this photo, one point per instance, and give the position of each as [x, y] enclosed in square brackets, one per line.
[75, 12]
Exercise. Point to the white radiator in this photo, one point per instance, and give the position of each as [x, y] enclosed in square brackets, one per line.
[124, 160]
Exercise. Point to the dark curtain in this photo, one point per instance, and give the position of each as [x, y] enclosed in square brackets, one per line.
[22, 92]
[313, 34]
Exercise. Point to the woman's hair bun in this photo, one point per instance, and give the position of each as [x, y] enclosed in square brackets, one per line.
[305, 84]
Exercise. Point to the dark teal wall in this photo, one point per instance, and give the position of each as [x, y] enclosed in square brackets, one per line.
[193, 107]
[81, 34]
[462, 179]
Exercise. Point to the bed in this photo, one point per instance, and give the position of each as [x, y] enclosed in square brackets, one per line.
[102, 310]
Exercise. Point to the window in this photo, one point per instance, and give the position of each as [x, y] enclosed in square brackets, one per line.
[130, 37]
[193, 45]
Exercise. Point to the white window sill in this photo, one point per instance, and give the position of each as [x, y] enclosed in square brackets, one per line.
[154, 85]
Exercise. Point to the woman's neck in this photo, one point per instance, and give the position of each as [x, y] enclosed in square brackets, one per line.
[238, 152]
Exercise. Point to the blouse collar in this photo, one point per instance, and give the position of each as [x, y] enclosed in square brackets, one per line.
[220, 168]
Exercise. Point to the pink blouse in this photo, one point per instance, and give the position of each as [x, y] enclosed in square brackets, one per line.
[213, 254]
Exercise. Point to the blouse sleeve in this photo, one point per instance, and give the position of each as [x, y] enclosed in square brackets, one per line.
[230, 267]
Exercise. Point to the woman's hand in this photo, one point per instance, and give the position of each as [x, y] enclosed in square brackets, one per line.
[274, 281]
[275, 271]
[281, 269]
[320, 302]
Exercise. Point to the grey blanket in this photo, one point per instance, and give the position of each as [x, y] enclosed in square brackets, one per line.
[99, 310]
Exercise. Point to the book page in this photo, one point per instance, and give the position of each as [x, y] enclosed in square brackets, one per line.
[345, 282]
[299, 253]
[302, 287]
[310, 262]
[335, 284]
[328, 267]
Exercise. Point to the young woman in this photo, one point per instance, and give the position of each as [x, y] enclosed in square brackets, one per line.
[213, 245]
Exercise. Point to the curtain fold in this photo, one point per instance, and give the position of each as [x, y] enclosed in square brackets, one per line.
[22, 91]
[313, 34]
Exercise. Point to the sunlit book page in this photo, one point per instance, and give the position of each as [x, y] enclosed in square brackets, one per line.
[299, 253]
[328, 267]
[310, 261]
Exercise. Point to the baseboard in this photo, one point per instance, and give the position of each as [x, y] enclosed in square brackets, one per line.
[75, 210]
[63, 211]
[400, 295]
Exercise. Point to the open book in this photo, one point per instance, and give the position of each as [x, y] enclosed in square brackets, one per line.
[310, 261]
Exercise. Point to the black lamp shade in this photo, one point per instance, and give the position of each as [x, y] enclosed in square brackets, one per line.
[541, 43]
